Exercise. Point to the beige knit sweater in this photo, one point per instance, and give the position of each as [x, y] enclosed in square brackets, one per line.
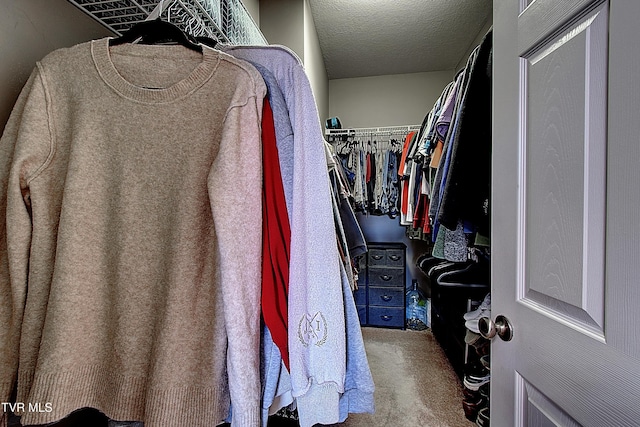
[130, 198]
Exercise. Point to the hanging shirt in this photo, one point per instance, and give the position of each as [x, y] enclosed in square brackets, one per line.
[122, 281]
[317, 339]
[276, 233]
[467, 194]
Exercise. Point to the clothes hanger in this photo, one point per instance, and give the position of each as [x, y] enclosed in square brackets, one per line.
[207, 41]
[156, 31]
[475, 274]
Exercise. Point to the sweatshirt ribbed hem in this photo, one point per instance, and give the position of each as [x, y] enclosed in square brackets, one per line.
[356, 402]
[249, 418]
[124, 398]
[320, 405]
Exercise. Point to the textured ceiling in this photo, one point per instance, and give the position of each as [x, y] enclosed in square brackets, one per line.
[375, 37]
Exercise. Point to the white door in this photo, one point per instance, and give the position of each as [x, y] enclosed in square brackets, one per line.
[566, 213]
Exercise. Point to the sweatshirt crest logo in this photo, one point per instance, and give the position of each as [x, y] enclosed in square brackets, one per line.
[313, 329]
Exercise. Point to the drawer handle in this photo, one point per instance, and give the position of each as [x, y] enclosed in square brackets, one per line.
[394, 257]
[386, 277]
[376, 257]
[386, 298]
[386, 317]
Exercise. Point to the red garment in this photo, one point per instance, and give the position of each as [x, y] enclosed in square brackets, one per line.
[421, 215]
[437, 154]
[404, 196]
[368, 171]
[276, 235]
[404, 183]
[405, 151]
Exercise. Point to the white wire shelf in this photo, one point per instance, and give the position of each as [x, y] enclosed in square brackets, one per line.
[224, 20]
[386, 130]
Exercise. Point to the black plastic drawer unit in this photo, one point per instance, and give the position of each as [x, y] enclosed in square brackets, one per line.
[380, 297]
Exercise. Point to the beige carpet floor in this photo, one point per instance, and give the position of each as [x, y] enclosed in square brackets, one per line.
[415, 384]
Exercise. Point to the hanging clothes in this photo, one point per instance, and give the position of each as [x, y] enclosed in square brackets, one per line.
[444, 132]
[121, 275]
[450, 123]
[276, 236]
[368, 162]
[403, 174]
[318, 342]
[277, 138]
[450, 164]
[355, 243]
[467, 193]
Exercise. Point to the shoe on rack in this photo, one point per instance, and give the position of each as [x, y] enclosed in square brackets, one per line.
[472, 338]
[479, 312]
[472, 324]
[470, 395]
[473, 382]
[475, 369]
[472, 407]
[483, 417]
[486, 361]
[483, 347]
[483, 391]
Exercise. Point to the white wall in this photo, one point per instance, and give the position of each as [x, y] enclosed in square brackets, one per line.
[282, 22]
[314, 64]
[253, 7]
[289, 23]
[398, 99]
[28, 31]
[483, 31]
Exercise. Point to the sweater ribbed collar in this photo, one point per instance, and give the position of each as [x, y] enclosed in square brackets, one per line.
[101, 54]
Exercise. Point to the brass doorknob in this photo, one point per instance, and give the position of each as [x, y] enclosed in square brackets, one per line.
[501, 327]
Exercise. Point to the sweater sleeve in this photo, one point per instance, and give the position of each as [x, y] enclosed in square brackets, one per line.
[24, 149]
[235, 193]
[317, 339]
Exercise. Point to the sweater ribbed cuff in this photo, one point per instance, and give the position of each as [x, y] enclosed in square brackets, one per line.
[248, 418]
[6, 387]
[320, 405]
[5, 394]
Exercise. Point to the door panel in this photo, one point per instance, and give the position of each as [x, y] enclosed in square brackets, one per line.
[563, 139]
[565, 213]
[540, 19]
[623, 176]
[540, 410]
